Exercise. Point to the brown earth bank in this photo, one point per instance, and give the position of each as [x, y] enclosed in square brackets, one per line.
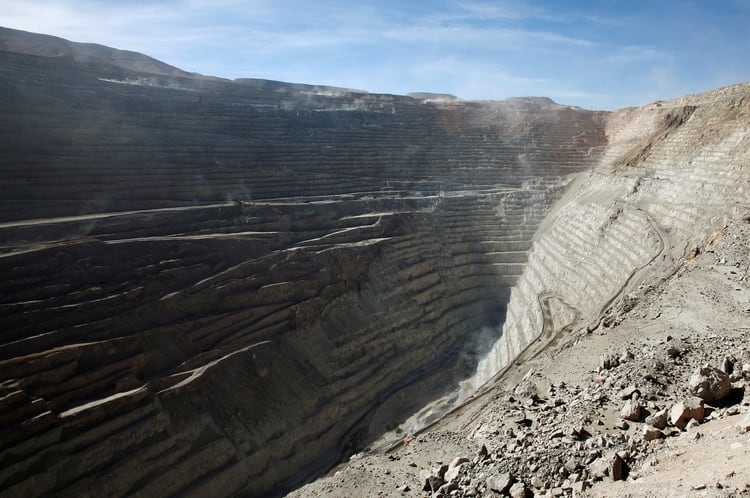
[226, 287]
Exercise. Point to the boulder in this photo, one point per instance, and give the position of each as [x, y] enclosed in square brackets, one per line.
[727, 365]
[440, 470]
[608, 361]
[658, 419]
[676, 347]
[446, 489]
[500, 483]
[599, 468]
[682, 412]
[673, 351]
[430, 481]
[744, 424]
[518, 490]
[616, 467]
[629, 392]
[626, 356]
[631, 410]
[526, 390]
[650, 433]
[710, 383]
[484, 453]
[579, 432]
[454, 472]
[611, 465]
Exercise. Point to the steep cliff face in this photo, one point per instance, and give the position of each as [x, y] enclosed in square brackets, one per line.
[674, 173]
[215, 287]
[637, 278]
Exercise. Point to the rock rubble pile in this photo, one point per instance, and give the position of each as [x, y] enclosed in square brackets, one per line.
[561, 442]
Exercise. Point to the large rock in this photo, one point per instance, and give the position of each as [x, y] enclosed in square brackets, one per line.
[650, 433]
[681, 413]
[455, 469]
[500, 483]
[611, 465]
[518, 490]
[744, 424]
[710, 383]
[658, 419]
[431, 480]
[630, 392]
[632, 410]
[617, 468]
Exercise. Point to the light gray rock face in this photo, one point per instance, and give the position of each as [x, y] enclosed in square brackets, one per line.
[610, 465]
[454, 472]
[630, 392]
[633, 194]
[599, 468]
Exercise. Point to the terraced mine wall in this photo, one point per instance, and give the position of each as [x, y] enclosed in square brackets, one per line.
[673, 175]
[214, 287]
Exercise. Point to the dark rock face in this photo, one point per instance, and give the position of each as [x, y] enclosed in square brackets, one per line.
[215, 287]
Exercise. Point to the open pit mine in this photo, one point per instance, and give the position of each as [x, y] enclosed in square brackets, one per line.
[215, 287]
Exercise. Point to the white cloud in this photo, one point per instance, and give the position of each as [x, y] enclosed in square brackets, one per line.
[167, 27]
[488, 11]
[114, 24]
[482, 37]
[638, 54]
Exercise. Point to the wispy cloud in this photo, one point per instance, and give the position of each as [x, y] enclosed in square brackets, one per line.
[636, 54]
[481, 37]
[491, 11]
[121, 24]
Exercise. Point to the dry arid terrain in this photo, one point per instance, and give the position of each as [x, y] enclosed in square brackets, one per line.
[554, 422]
[257, 288]
[612, 398]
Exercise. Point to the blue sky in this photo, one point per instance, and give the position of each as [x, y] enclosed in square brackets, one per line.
[601, 54]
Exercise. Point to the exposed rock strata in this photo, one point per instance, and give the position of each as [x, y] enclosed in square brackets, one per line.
[674, 173]
[552, 422]
[323, 257]
[214, 287]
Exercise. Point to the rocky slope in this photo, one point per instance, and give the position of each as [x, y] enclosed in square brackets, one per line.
[215, 287]
[611, 412]
[636, 282]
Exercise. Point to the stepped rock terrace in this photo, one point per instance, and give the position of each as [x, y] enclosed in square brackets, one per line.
[226, 286]
[222, 287]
